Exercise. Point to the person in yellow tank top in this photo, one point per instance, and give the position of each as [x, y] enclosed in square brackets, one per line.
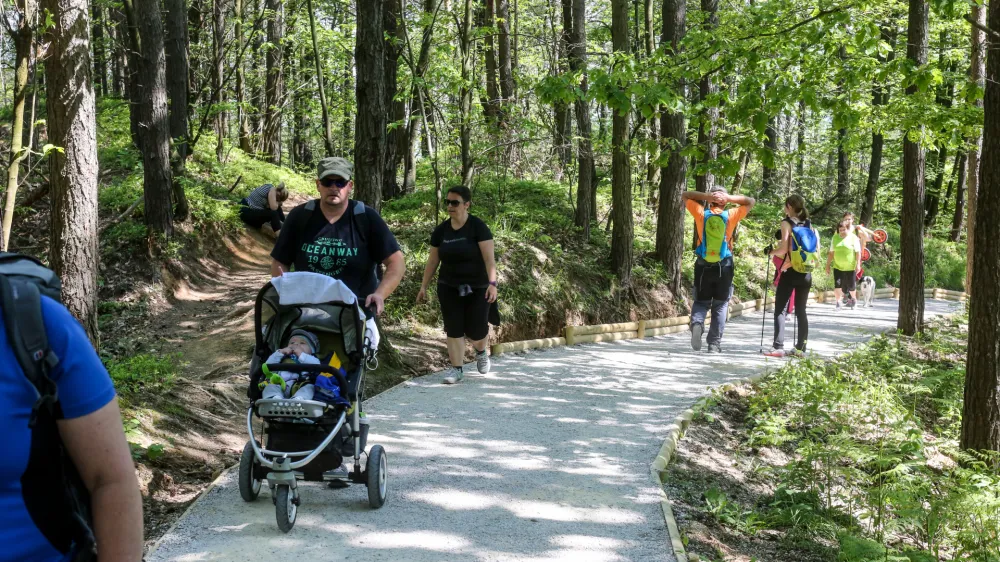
[845, 257]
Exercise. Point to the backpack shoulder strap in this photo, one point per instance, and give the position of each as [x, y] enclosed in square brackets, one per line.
[360, 217]
[22, 311]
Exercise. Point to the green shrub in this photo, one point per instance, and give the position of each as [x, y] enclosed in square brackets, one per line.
[142, 373]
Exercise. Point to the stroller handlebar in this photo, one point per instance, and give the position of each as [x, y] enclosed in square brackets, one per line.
[306, 368]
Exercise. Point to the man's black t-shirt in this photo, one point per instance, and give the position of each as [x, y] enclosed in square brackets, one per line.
[461, 259]
[309, 242]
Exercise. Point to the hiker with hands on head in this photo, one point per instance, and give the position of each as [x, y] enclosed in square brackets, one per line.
[713, 270]
[341, 238]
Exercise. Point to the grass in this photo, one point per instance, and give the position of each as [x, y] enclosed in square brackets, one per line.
[875, 465]
[143, 373]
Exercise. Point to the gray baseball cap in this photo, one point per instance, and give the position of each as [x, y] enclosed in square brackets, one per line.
[334, 166]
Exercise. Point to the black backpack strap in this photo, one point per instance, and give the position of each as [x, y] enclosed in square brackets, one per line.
[22, 310]
[363, 226]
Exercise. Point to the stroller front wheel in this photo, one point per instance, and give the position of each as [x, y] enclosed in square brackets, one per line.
[285, 508]
[376, 473]
[249, 484]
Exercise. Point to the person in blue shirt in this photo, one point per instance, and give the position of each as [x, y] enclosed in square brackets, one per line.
[91, 430]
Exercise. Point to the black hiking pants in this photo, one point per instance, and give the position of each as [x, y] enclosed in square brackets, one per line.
[792, 280]
[256, 218]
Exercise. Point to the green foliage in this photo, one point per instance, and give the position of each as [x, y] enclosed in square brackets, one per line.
[142, 373]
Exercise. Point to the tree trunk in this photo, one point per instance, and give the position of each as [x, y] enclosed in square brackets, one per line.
[710, 115]
[670, 212]
[100, 60]
[371, 120]
[880, 97]
[504, 66]
[771, 145]
[585, 156]
[327, 128]
[956, 221]
[932, 199]
[981, 410]
[72, 125]
[465, 103]
[622, 237]
[911, 282]
[119, 64]
[391, 20]
[176, 48]
[416, 107]
[243, 123]
[23, 35]
[800, 165]
[492, 108]
[843, 167]
[563, 117]
[959, 158]
[218, 31]
[152, 88]
[275, 87]
[131, 71]
[977, 74]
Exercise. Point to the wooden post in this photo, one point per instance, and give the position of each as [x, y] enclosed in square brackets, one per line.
[820, 296]
[936, 294]
[758, 304]
[895, 293]
[569, 335]
[642, 329]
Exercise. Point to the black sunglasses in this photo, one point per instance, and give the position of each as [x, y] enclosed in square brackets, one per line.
[333, 182]
[453, 202]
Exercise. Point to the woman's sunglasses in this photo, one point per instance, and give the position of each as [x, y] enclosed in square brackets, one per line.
[453, 202]
[333, 182]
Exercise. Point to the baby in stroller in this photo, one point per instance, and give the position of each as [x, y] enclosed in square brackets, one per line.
[303, 347]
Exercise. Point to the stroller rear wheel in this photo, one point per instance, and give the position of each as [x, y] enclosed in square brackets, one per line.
[376, 473]
[249, 485]
[285, 508]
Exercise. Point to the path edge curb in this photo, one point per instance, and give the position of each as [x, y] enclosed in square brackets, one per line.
[191, 506]
[658, 468]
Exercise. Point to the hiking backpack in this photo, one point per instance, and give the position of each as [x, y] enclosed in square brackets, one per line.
[714, 247]
[805, 247]
[54, 495]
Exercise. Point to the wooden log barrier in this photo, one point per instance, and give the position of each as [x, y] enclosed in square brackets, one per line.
[668, 322]
[515, 346]
[614, 336]
[605, 329]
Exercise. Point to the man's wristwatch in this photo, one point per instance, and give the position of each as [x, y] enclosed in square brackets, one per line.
[494, 283]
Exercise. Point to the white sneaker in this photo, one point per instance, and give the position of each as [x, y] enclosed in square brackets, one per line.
[454, 376]
[483, 362]
[696, 331]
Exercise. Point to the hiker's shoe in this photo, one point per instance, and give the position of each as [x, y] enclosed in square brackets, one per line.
[454, 376]
[838, 306]
[483, 362]
[775, 352]
[714, 348]
[337, 478]
[696, 331]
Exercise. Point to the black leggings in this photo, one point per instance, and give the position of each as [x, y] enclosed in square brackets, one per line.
[464, 316]
[792, 280]
[257, 217]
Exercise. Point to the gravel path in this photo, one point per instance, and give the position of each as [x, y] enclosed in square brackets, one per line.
[545, 458]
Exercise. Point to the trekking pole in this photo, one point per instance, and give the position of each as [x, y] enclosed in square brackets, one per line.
[767, 277]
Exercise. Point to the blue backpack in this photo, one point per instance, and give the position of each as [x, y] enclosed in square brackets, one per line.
[805, 247]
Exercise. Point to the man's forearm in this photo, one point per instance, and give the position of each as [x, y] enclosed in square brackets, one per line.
[394, 271]
[742, 200]
[117, 509]
[696, 195]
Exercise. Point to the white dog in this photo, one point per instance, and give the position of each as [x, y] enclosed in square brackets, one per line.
[867, 290]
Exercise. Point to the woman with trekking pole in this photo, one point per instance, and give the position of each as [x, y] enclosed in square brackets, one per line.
[799, 251]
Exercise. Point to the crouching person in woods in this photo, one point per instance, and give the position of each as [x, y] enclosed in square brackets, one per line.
[75, 429]
[713, 270]
[467, 286]
[262, 208]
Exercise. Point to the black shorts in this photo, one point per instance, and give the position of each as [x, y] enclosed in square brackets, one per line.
[845, 280]
[464, 316]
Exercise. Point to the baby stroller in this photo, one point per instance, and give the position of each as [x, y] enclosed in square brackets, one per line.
[309, 439]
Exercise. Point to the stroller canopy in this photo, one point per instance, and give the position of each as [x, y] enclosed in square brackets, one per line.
[313, 302]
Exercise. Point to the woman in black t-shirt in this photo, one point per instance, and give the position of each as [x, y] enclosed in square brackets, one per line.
[467, 285]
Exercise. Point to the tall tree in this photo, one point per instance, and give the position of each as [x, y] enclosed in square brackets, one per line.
[911, 285]
[23, 36]
[880, 97]
[176, 47]
[770, 172]
[393, 13]
[673, 181]
[981, 409]
[218, 60]
[327, 128]
[843, 167]
[72, 125]
[492, 107]
[959, 215]
[243, 122]
[977, 75]
[465, 92]
[100, 58]
[622, 236]
[932, 200]
[504, 64]
[585, 157]
[710, 114]
[151, 84]
[274, 91]
[562, 117]
[371, 121]
[416, 108]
